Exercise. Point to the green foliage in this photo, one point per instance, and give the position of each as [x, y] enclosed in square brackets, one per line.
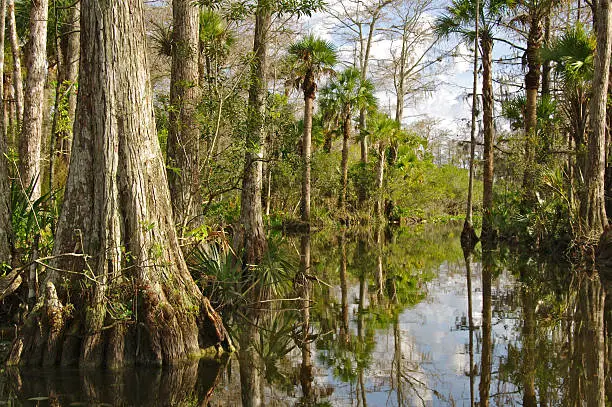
[573, 55]
[32, 220]
[309, 59]
[549, 224]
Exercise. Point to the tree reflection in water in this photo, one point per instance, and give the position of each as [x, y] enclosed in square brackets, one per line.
[377, 317]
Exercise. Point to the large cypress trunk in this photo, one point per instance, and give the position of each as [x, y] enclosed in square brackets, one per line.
[592, 207]
[489, 135]
[132, 297]
[36, 61]
[184, 135]
[250, 237]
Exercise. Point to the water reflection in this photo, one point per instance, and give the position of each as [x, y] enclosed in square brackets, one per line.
[486, 342]
[188, 384]
[588, 353]
[386, 318]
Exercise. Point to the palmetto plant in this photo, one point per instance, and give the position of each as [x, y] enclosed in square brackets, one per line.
[572, 54]
[309, 59]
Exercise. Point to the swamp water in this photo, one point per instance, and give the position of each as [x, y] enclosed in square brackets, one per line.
[382, 318]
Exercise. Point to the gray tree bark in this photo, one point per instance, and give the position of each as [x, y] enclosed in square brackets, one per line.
[250, 237]
[116, 220]
[31, 135]
[306, 154]
[5, 193]
[184, 136]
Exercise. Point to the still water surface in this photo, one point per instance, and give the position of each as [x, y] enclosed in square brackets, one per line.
[383, 319]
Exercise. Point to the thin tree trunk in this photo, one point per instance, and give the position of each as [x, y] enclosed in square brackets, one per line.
[467, 255]
[117, 219]
[251, 238]
[17, 80]
[306, 153]
[532, 85]
[184, 133]
[489, 135]
[468, 235]
[592, 208]
[380, 178]
[68, 76]
[33, 103]
[528, 367]
[346, 127]
[5, 191]
[306, 368]
[546, 67]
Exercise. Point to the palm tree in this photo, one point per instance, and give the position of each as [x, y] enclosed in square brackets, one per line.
[532, 15]
[572, 54]
[309, 58]
[459, 19]
[348, 92]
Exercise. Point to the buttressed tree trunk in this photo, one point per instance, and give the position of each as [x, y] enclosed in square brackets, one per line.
[250, 237]
[129, 297]
[489, 134]
[184, 135]
[17, 80]
[31, 135]
[592, 207]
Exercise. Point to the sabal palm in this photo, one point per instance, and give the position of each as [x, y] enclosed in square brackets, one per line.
[309, 59]
[459, 19]
[347, 93]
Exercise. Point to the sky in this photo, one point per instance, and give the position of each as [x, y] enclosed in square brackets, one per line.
[449, 104]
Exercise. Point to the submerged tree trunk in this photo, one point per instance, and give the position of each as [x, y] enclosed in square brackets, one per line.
[184, 133]
[31, 135]
[126, 295]
[17, 80]
[251, 238]
[592, 208]
[489, 134]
